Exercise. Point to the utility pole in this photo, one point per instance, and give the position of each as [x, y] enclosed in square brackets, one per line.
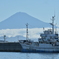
[4, 38]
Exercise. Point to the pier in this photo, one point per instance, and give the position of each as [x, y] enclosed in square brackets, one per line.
[10, 47]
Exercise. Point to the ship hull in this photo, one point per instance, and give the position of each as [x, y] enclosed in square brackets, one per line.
[37, 51]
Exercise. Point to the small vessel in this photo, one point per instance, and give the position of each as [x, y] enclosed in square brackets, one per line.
[48, 41]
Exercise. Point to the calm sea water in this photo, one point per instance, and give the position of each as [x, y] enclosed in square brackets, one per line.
[18, 55]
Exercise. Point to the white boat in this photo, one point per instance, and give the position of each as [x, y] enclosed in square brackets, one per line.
[49, 41]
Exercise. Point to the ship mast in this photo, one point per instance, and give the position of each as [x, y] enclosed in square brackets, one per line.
[53, 18]
[27, 31]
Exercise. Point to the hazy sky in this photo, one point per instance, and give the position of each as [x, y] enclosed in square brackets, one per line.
[41, 9]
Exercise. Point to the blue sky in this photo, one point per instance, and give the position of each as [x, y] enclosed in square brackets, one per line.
[41, 9]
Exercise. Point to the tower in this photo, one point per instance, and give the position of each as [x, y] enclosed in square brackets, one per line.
[27, 31]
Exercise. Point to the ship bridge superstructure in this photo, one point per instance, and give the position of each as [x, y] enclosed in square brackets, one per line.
[49, 35]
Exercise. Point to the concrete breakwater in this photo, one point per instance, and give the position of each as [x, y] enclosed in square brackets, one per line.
[10, 47]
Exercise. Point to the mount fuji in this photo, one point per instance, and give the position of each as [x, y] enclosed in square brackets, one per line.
[20, 19]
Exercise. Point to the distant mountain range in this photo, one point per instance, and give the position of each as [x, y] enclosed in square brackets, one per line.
[14, 39]
[20, 19]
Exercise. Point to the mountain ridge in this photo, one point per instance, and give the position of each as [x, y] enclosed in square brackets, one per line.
[19, 19]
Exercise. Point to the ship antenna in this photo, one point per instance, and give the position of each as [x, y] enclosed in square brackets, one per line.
[56, 28]
[27, 31]
[53, 18]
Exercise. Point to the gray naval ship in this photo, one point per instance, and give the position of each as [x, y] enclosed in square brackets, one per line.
[48, 42]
